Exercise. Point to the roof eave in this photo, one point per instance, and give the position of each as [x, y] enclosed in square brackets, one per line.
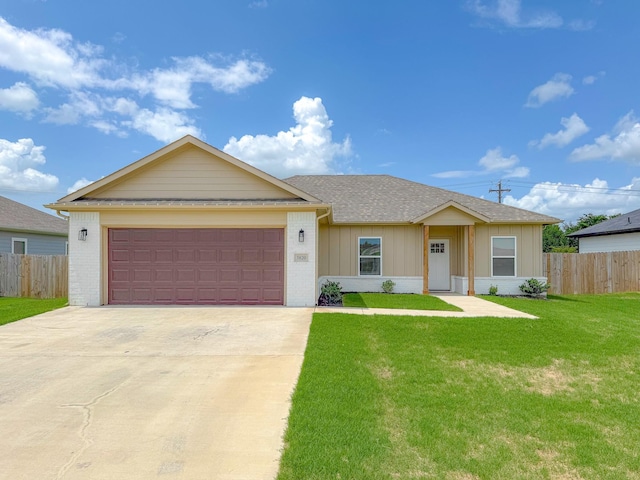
[37, 232]
[114, 205]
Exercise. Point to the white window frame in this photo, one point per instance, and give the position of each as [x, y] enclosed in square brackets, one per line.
[17, 239]
[514, 256]
[368, 256]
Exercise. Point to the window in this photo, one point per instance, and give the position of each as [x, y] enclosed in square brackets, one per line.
[437, 248]
[369, 256]
[19, 246]
[503, 256]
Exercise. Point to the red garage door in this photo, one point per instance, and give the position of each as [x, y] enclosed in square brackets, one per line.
[196, 266]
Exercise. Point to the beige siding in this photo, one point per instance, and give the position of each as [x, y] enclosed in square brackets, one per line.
[450, 216]
[528, 248]
[401, 249]
[193, 218]
[192, 173]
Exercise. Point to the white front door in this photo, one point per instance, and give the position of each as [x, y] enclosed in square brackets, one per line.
[439, 275]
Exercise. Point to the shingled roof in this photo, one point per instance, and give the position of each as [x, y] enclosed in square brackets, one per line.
[626, 223]
[388, 199]
[16, 216]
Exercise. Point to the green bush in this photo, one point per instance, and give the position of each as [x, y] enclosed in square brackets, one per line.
[387, 286]
[493, 290]
[534, 288]
[331, 293]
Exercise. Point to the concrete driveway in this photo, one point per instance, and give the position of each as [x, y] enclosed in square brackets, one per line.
[136, 393]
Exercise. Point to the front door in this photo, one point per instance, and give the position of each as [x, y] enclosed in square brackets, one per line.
[439, 275]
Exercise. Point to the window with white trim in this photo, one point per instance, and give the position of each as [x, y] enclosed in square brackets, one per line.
[370, 256]
[503, 256]
[19, 246]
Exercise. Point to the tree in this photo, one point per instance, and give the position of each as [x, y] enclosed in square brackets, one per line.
[553, 237]
[586, 220]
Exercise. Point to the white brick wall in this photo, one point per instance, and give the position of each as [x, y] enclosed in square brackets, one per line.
[84, 259]
[301, 276]
[506, 286]
[374, 284]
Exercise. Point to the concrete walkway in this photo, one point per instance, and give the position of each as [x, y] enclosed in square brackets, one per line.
[471, 307]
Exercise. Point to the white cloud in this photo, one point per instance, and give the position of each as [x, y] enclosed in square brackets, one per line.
[569, 201]
[558, 87]
[510, 14]
[19, 163]
[19, 98]
[50, 57]
[163, 124]
[493, 162]
[306, 148]
[53, 59]
[591, 79]
[574, 127]
[83, 182]
[622, 144]
[172, 86]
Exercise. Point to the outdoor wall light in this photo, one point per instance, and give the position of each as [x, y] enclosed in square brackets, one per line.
[301, 236]
[82, 235]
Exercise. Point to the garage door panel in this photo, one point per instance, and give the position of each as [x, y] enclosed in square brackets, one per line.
[163, 255]
[142, 275]
[230, 255]
[196, 266]
[272, 255]
[141, 256]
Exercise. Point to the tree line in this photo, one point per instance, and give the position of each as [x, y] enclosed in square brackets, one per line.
[555, 239]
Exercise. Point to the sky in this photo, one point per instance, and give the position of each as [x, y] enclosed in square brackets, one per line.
[458, 94]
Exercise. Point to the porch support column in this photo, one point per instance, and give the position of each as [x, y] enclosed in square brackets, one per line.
[471, 259]
[425, 260]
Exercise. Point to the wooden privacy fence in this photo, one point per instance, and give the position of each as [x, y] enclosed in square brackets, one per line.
[34, 276]
[607, 272]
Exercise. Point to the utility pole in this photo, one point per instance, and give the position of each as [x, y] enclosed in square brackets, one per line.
[499, 190]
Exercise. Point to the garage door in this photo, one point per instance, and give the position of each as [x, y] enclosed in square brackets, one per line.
[196, 266]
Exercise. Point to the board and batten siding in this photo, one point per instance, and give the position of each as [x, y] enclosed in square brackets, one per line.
[37, 244]
[610, 243]
[401, 249]
[192, 173]
[529, 256]
[189, 218]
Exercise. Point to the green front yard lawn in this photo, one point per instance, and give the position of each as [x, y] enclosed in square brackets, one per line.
[12, 309]
[386, 397]
[396, 300]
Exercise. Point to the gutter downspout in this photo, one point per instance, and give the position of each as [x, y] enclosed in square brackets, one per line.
[66, 217]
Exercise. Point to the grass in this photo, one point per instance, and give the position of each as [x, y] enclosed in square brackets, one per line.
[396, 300]
[385, 397]
[12, 309]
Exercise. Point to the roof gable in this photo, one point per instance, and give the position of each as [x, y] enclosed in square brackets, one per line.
[189, 169]
[15, 216]
[451, 213]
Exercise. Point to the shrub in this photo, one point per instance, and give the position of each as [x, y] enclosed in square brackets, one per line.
[493, 290]
[387, 286]
[330, 293]
[564, 249]
[534, 288]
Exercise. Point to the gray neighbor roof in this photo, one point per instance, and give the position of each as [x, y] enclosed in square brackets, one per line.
[16, 216]
[388, 199]
[626, 223]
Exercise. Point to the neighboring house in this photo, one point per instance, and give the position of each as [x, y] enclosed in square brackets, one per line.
[190, 224]
[617, 234]
[26, 230]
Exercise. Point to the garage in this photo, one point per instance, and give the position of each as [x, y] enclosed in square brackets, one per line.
[196, 266]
